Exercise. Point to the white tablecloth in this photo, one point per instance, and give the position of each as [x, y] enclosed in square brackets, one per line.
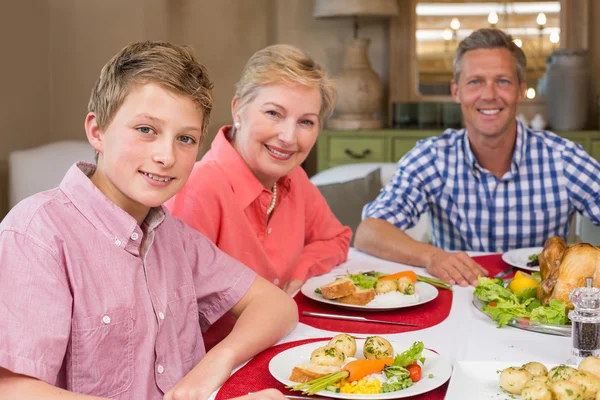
[466, 335]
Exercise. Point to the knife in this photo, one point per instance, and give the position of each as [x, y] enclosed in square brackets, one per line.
[357, 319]
[505, 273]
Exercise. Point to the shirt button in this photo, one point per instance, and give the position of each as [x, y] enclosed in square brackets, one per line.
[106, 319]
[269, 231]
[499, 219]
[160, 369]
[134, 236]
[161, 315]
[117, 242]
[499, 249]
[276, 281]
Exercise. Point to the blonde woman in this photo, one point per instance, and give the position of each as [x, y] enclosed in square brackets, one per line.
[249, 194]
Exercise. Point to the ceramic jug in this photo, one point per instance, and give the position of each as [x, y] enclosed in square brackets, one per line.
[568, 83]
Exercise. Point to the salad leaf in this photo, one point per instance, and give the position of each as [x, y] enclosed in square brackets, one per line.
[534, 257]
[410, 356]
[529, 293]
[363, 281]
[554, 313]
[505, 310]
[489, 289]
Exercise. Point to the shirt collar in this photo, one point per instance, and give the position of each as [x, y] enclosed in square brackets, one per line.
[245, 185]
[518, 152]
[102, 213]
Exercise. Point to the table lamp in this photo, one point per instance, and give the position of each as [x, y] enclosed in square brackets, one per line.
[360, 88]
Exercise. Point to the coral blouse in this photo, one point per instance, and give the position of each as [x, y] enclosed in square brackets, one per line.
[226, 202]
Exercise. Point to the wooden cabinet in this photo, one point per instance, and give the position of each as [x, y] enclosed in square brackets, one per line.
[389, 145]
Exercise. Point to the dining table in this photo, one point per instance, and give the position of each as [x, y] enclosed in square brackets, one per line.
[465, 334]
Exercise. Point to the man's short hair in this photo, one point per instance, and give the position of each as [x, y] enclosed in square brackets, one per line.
[488, 38]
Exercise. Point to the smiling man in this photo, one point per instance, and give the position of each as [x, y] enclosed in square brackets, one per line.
[493, 186]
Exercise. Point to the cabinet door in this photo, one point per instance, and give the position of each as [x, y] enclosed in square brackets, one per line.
[403, 146]
[595, 149]
[343, 150]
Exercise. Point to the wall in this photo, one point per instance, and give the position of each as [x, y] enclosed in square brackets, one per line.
[24, 81]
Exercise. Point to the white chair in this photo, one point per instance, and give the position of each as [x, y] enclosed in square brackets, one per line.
[348, 172]
[41, 168]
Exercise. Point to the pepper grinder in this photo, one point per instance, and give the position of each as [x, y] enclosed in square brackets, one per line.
[585, 320]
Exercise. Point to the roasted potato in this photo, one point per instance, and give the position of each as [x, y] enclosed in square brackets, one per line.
[536, 390]
[344, 343]
[590, 383]
[514, 379]
[590, 364]
[536, 368]
[565, 390]
[377, 348]
[385, 286]
[561, 373]
[329, 356]
[406, 285]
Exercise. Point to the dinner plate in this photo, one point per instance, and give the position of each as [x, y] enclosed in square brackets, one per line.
[425, 291]
[528, 325]
[436, 366]
[480, 380]
[520, 257]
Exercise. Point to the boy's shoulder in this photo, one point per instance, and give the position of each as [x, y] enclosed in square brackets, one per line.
[35, 213]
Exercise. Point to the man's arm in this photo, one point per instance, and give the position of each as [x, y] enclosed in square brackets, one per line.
[266, 314]
[15, 386]
[382, 239]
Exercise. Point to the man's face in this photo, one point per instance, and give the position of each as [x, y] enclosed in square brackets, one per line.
[488, 91]
[147, 152]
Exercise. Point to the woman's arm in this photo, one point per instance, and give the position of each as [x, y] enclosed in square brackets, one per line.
[266, 314]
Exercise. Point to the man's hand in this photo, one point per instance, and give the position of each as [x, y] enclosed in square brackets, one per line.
[292, 285]
[455, 268]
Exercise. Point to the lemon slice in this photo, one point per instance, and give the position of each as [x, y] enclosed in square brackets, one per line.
[522, 281]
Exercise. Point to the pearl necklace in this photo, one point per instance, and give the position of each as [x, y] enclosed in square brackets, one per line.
[273, 200]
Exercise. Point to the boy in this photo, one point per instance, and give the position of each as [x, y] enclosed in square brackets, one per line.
[105, 292]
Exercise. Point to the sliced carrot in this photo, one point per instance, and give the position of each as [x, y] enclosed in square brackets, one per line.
[408, 274]
[358, 369]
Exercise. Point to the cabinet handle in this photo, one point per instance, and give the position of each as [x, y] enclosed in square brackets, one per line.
[356, 156]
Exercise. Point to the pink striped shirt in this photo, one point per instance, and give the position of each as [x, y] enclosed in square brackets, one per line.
[98, 305]
[227, 203]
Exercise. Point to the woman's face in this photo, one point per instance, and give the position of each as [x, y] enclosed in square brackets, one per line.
[277, 129]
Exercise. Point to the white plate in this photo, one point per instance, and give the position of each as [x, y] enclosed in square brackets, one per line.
[282, 364]
[480, 380]
[520, 257]
[425, 291]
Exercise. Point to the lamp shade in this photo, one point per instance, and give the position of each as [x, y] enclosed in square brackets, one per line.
[351, 8]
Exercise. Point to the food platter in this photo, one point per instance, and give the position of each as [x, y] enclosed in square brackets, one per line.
[528, 325]
[519, 257]
[425, 291]
[436, 370]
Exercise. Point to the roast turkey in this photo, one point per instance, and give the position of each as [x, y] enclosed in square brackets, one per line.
[565, 268]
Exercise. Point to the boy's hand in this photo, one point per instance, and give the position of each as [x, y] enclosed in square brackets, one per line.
[202, 380]
[292, 285]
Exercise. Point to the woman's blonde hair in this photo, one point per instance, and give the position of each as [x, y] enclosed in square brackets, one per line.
[171, 66]
[282, 63]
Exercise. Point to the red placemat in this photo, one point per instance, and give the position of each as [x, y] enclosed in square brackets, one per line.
[255, 376]
[493, 263]
[424, 315]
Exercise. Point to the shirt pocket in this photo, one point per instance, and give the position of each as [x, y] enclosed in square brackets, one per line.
[184, 311]
[102, 360]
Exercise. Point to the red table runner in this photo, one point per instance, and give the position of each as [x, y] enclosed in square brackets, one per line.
[424, 315]
[493, 263]
[255, 376]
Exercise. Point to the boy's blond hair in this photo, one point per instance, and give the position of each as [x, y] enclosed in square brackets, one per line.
[285, 64]
[171, 66]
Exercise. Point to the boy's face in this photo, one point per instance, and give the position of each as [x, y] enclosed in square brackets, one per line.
[147, 152]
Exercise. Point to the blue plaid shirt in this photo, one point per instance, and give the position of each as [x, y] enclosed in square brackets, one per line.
[549, 179]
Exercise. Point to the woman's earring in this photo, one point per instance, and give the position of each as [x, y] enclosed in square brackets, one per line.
[237, 125]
